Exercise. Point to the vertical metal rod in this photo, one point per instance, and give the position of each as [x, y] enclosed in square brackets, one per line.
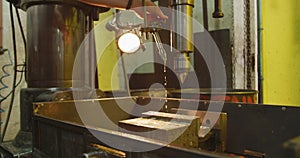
[260, 70]
[145, 14]
[1, 25]
[125, 75]
[205, 15]
[172, 40]
[93, 82]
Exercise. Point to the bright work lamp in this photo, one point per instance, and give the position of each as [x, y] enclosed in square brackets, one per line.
[129, 42]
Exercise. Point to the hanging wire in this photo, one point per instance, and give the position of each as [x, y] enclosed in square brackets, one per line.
[21, 29]
[6, 74]
[23, 37]
[14, 76]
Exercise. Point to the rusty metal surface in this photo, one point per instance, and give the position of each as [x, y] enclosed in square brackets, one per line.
[67, 95]
[261, 128]
[181, 130]
[84, 111]
[229, 95]
[218, 133]
[175, 117]
[73, 147]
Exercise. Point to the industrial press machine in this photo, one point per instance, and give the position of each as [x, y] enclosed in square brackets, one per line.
[59, 119]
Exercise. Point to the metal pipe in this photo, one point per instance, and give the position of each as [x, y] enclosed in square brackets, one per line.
[127, 84]
[205, 15]
[184, 25]
[1, 25]
[260, 63]
[145, 14]
[183, 35]
[110, 151]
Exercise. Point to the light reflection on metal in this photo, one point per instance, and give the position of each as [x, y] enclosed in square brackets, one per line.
[54, 33]
[183, 36]
[110, 151]
[182, 66]
[183, 25]
[129, 43]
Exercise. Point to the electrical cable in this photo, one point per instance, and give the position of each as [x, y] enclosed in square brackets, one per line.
[11, 63]
[22, 32]
[15, 73]
[19, 82]
[23, 37]
[6, 74]
[21, 27]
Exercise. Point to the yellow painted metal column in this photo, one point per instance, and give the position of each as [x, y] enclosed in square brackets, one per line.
[281, 52]
[107, 54]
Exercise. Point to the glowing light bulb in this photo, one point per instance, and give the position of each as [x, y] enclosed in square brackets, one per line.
[129, 43]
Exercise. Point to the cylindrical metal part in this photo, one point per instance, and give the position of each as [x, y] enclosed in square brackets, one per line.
[182, 65]
[183, 25]
[54, 34]
[218, 13]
